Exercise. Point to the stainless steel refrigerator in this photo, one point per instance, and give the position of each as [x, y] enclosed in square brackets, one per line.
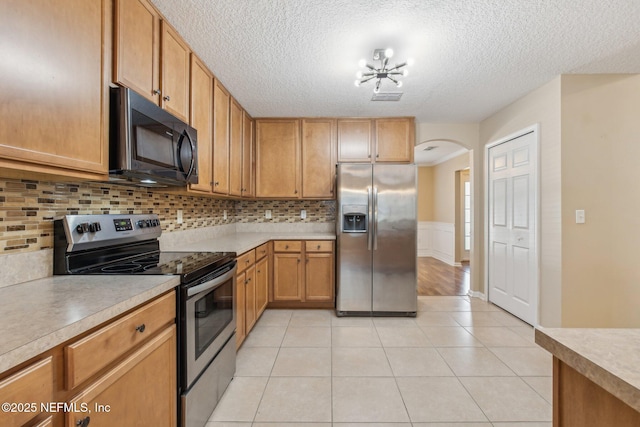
[377, 240]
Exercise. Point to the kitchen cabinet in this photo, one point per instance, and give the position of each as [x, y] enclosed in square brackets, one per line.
[278, 158]
[303, 284]
[251, 290]
[395, 140]
[201, 118]
[248, 162]
[221, 104]
[240, 309]
[140, 390]
[376, 140]
[55, 94]
[263, 276]
[250, 315]
[319, 271]
[236, 127]
[30, 385]
[318, 158]
[150, 57]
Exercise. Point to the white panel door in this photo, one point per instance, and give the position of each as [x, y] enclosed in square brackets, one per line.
[512, 252]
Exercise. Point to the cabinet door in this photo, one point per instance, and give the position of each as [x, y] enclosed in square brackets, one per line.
[250, 315]
[175, 73]
[394, 140]
[247, 156]
[318, 158]
[221, 100]
[54, 97]
[201, 116]
[235, 149]
[262, 285]
[140, 391]
[277, 158]
[287, 277]
[240, 309]
[137, 47]
[354, 140]
[33, 384]
[319, 277]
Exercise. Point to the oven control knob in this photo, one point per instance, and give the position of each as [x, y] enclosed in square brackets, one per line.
[97, 226]
[82, 228]
[92, 228]
[142, 224]
[149, 224]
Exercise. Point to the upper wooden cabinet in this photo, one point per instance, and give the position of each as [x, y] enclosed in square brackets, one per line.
[161, 75]
[278, 158]
[55, 100]
[236, 127]
[201, 118]
[395, 140]
[248, 159]
[354, 140]
[221, 102]
[318, 158]
[376, 140]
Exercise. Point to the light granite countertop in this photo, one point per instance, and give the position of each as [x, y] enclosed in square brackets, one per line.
[245, 241]
[38, 315]
[608, 357]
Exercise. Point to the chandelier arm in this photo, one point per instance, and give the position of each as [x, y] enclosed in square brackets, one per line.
[371, 67]
[366, 80]
[392, 79]
[397, 67]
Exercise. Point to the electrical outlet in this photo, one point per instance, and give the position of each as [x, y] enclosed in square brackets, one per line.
[179, 219]
[224, 214]
[303, 213]
[267, 213]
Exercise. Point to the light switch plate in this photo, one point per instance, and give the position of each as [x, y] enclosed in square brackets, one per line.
[580, 217]
[224, 214]
[179, 218]
[303, 213]
[267, 213]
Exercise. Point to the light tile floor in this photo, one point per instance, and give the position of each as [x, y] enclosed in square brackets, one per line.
[460, 363]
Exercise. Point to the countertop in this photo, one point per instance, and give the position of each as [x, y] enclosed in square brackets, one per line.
[608, 357]
[244, 241]
[38, 315]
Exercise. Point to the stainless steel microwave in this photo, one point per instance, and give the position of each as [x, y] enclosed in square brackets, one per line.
[148, 146]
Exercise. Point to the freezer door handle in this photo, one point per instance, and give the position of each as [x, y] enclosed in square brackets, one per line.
[370, 215]
[375, 218]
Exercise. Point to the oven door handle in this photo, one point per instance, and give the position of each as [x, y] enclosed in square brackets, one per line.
[211, 284]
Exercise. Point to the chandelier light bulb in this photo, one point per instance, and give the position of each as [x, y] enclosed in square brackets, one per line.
[388, 52]
[405, 72]
[357, 83]
[399, 84]
[362, 63]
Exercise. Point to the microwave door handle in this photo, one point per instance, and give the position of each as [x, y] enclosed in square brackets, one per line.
[192, 164]
[179, 152]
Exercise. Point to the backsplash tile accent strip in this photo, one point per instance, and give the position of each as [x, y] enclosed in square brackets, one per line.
[27, 209]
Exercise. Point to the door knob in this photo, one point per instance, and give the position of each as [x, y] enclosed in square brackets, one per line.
[166, 98]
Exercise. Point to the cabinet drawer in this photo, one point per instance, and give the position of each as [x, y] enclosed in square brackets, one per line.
[34, 384]
[262, 251]
[287, 246]
[319, 245]
[96, 351]
[246, 259]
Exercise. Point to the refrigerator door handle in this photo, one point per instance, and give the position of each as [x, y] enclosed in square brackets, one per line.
[375, 218]
[370, 215]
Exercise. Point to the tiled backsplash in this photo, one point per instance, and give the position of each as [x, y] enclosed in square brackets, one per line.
[27, 209]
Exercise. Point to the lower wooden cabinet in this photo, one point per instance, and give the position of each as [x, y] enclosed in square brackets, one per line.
[252, 285]
[31, 385]
[140, 391]
[303, 274]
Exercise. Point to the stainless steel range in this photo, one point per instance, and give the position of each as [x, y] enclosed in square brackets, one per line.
[128, 244]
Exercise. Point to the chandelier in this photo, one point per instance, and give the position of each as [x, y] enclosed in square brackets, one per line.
[384, 71]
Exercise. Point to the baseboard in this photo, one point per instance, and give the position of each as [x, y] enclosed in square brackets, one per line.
[477, 294]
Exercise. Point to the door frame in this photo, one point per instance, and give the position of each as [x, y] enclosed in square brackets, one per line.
[536, 131]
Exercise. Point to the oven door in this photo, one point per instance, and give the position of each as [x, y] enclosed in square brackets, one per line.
[210, 321]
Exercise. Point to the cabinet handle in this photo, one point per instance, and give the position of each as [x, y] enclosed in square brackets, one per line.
[157, 92]
[83, 422]
[246, 262]
[286, 247]
[295, 192]
[246, 281]
[141, 328]
[377, 156]
[298, 260]
[318, 247]
[166, 98]
[258, 271]
[216, 183]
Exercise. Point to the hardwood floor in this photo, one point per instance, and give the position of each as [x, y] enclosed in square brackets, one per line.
[438, 278]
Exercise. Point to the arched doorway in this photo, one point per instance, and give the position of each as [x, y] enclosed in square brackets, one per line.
[445, 213]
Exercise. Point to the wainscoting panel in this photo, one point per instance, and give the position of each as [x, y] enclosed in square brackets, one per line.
[437, 240]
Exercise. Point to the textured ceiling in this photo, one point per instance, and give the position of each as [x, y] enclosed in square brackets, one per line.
[472, 57]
